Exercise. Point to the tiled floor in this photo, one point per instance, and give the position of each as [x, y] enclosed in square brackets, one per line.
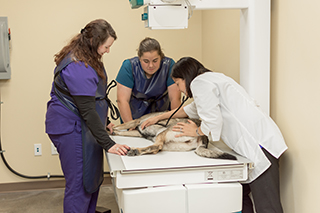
[49, 201]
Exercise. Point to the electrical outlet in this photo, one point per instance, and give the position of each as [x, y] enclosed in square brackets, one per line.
[53, 149]
[37, 149]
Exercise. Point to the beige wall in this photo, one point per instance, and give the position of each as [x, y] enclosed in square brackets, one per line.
[295, 99]
[41, 28]
[220, 35]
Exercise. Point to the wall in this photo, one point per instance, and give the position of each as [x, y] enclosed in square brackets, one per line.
[39, 30]
[220, 35]
[295, 100]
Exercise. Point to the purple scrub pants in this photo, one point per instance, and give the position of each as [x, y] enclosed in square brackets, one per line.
[76, 200]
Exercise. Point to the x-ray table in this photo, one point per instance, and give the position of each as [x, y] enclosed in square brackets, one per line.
[176, 181]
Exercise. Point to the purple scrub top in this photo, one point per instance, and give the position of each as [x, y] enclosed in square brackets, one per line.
[81, 81]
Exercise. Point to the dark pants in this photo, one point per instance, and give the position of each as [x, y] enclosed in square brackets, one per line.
[76, 199]
[265, 190]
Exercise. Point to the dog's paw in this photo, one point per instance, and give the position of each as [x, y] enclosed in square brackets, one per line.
[116, 132]
[133, 152]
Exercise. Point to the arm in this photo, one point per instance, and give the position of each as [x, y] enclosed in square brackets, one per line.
[123, 99]
[174, 96]
[86, 106]
[179, 114]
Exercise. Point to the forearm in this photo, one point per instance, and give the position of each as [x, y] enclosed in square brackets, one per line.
[123, 99]
[179, 114]
[175, 103]
[86, 106]
[174, 96]
[125, 110]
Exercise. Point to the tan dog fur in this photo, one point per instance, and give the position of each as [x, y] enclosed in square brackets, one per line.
[164, 138]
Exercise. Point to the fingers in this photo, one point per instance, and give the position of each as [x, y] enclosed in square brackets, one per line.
[145, 124]
[179, 135]
[110, 128]
[149, 122]
[178, 127]
[186, 129]
[119, 149]
[191, 122]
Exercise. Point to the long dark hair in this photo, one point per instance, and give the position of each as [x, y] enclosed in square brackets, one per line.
[187, 68]
[84, 46]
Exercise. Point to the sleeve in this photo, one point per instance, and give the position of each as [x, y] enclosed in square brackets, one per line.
[87, 109]
[125, 76]
[206, 99]
[169, 79]
[191, 110]
[81, 80]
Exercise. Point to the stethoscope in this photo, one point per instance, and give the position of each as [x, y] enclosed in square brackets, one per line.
[184, 99]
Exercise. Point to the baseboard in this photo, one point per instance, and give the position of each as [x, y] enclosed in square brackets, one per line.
[40, 185]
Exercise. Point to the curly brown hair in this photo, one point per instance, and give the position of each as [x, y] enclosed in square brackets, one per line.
[84, 45]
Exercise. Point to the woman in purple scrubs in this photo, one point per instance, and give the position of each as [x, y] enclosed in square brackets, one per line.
[76, 117]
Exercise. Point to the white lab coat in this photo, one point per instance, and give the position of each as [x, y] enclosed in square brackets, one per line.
[227, 111]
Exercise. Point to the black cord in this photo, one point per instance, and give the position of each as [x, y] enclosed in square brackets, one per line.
[17, 173]
[184, 99]
[26, 176]
[114, 112]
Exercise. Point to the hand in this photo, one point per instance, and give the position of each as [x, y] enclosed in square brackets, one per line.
[119, 149]
[149, 122]
[110, 128]
[186, 129]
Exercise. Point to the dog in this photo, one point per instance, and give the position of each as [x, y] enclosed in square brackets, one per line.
[164, 138]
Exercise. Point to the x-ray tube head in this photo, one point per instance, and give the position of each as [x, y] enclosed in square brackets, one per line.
[164, 14]
[166, 17]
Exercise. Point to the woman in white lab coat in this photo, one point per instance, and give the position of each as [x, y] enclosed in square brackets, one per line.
[229, 113]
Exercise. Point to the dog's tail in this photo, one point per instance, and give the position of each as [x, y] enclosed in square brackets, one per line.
[227, 156]
[214, 152]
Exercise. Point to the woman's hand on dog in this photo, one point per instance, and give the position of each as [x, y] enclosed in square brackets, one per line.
[110, 128]
[186, 129]
[149, 122]
[119, 149]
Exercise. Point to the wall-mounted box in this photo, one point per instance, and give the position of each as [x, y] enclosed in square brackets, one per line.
[5, 69]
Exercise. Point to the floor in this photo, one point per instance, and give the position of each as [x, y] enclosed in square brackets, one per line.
[49, 201]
